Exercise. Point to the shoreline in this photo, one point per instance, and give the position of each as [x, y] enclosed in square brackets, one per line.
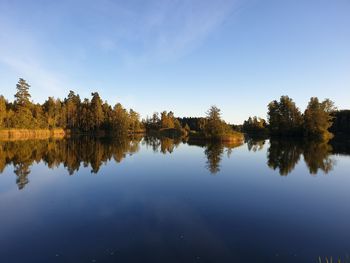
[27, 134]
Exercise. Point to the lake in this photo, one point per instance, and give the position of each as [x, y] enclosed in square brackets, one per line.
[164, 200]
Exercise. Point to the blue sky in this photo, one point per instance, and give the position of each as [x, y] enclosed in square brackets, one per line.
[179, 55]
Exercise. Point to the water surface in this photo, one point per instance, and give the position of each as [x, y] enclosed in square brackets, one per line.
[151, 200]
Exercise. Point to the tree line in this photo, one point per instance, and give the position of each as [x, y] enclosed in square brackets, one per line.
[86, 115]
[212, 126]
[319, 120]
[285, 119]
[71, 113]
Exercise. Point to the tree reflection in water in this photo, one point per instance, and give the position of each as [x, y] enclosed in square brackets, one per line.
[214, 152]
[255, 145]
[285, 154]
[163, 144]
[72, 153]
[282, 155]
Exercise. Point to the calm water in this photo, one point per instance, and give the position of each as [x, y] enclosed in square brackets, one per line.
[150, 200]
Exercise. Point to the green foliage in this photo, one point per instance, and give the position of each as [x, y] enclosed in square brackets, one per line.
[167, 121]
[22, 96]
[318, 119]
[2, 111]
[71, 108]
[72, 113]
[215, 127]
[196, 124]
[97, 115]
[255, 125]
[134, 118]
[284, 117]
[120, 120]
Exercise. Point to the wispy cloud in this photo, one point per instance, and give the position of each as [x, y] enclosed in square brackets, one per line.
[35, 37]
[20, 54]
[165, 30]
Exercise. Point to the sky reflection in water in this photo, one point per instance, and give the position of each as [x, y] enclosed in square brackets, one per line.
[173, 201]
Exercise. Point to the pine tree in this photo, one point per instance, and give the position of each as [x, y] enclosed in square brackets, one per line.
[96, 110]
[22, 96]
[23, 117]
[72, 106]
[120, 120]
[214, 127]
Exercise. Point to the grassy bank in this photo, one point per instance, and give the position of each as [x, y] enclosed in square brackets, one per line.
[24, 134]
[167, 132]
[232, 137]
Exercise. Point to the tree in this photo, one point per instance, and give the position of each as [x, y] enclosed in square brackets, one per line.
[72, 105]
[71, 113]
[39, 117]
[255, 125]
[154, 122]
[120, 120]
[23, 116]
[50, 112]
[215, 128]
[213, 114]
[177, 124]
[171, 120]
[96, 110]
[318, 119]
[187, 128]
[22, 96]
[2, 111]
[284, 117]
[134, 120]
[107, 113]
[341, 122]
[85, 123]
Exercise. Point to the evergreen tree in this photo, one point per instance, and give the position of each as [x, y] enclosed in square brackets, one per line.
[23, 117]
[215, 127]
[120, 120]
[49, 108]
[107, 113]
[96, 110]
[72, 105]
[39, 117]
[22, 96]
[84, 117]
[134, 120]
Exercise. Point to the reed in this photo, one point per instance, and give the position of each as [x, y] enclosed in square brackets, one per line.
[24, 134]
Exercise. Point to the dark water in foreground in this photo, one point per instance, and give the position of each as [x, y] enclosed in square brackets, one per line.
[151, 200]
